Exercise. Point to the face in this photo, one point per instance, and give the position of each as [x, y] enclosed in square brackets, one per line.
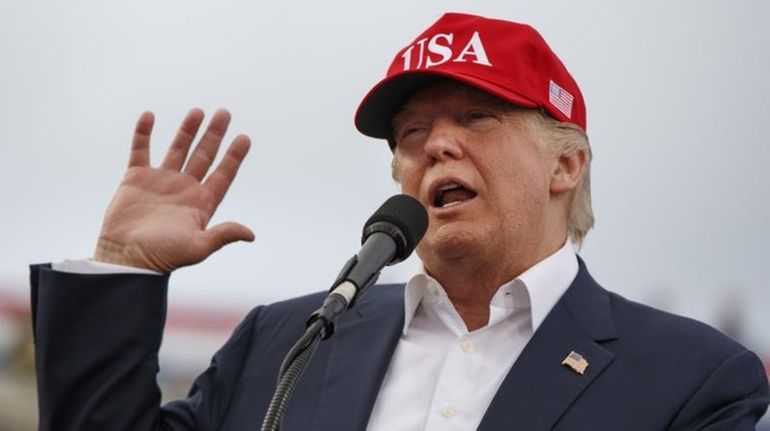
[476, 166]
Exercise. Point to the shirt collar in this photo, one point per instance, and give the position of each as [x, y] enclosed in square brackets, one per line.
[538, 288]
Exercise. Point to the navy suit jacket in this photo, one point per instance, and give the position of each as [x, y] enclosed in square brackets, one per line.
[97, 338]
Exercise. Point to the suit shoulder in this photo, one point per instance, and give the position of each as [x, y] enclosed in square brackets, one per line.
[669, 332]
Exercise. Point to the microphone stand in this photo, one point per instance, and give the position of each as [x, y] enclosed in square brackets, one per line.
[320, 326]
[292, 368]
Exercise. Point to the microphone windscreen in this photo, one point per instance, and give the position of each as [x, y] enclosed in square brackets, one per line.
[408, 215]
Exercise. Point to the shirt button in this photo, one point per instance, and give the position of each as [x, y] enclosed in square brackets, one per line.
[466, 345]
[448, 412]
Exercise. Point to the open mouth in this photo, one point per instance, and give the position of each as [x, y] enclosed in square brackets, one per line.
[451, 194]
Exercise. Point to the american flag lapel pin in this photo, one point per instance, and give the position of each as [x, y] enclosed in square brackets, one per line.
[576, 361]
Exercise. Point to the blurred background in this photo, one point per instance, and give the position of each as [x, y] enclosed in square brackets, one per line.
[677, 96]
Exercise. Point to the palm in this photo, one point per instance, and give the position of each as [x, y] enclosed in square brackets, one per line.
[158, 217]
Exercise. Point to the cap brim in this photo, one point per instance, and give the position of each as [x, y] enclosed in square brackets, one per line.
[375, 113]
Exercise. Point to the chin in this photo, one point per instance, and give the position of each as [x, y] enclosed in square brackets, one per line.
[451, 242]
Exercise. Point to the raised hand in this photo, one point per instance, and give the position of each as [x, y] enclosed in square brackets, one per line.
[158, 218]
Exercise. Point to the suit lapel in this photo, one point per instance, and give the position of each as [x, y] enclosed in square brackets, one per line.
[358, 360]
[538, 389]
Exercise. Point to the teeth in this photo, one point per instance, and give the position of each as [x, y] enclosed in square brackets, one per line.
[447, 186]
[440, 193]
[438, 198]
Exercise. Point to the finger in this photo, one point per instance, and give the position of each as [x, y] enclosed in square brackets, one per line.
[140, 145]
[177, 152]
[206, 151]
[222, 234]
[219, 180]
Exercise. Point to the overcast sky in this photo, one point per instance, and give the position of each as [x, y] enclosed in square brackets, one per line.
[677, 95]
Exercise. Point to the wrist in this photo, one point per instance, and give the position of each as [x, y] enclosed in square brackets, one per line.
[112, 252]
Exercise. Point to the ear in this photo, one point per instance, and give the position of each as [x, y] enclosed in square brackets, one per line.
[395, 171]
[568, 171]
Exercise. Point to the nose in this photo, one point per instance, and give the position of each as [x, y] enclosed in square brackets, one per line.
[444, 141]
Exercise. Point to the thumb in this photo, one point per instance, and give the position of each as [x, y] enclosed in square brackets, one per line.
[222, 234]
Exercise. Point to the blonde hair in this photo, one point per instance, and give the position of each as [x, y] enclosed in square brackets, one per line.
[560, 139]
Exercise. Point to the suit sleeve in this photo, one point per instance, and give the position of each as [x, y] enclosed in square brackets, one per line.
[733, 397]
[96, 349]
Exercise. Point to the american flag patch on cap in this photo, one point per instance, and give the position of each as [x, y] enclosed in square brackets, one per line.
[560, 98]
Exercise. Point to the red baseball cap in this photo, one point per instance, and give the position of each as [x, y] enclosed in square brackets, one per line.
[509, 60]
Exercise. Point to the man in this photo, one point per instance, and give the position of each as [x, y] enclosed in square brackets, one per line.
[504, 328]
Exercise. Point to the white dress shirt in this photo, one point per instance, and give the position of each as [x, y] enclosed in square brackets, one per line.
[441, 376]
[90, 266]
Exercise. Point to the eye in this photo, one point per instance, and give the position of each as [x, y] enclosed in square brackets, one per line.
[409, 130]
[478, 117]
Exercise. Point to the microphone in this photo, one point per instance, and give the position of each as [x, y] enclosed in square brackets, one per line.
[389, 236]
